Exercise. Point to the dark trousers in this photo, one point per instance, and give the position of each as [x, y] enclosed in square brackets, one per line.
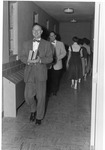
[37, 89]
[53, 82]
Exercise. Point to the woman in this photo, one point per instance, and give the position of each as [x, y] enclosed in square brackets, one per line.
[83, 54]
[87, 46]
[74, 65]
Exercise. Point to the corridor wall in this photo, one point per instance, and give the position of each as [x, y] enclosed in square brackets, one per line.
[25, 11]
[25, 21]
[79, 29]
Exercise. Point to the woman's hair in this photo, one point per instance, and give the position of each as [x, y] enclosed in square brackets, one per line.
[86, 41]
[75, 39]
[80, 41]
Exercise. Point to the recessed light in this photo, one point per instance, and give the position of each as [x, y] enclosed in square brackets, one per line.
[68, 10]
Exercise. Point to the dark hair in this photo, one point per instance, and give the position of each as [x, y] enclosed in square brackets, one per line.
[52, 32]
[86, 41]
[80, 41]
[75, 39]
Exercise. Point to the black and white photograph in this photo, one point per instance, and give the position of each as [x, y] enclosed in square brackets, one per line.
[52, 75]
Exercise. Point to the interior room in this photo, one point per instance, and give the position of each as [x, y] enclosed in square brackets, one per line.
[71, 120]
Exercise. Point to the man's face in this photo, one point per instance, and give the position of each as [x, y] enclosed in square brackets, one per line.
[52, 36]
[37, 31]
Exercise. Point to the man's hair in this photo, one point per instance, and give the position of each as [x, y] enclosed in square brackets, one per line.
[37, 24]
[53, 32]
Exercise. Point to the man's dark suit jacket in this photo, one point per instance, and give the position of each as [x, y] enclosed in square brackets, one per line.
[38, 71]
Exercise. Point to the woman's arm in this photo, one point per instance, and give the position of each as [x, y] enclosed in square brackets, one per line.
[68, 58]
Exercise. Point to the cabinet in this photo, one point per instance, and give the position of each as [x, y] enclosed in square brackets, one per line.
[13, 93]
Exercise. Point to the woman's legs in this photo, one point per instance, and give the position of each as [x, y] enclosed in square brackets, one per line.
[75, 85]
[72, 83]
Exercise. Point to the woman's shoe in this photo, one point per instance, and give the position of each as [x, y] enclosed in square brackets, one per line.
[75, 87]
[79, 80]
[72, 85]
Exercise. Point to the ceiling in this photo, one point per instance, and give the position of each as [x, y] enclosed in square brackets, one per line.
[83, 11]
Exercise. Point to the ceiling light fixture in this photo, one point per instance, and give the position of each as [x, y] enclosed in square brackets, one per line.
[68, 10]
[73, 21]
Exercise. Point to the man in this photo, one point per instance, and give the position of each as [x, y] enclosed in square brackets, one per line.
[55, 70]
[35, 74]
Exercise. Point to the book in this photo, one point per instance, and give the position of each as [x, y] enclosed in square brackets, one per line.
[32, 55]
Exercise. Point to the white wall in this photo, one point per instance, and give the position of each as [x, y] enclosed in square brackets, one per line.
[5, 51]
[24, 26]
[100, 98]
[25, 21]
[68, 30]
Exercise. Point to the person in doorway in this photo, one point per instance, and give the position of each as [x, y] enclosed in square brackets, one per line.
[87, 46]
[36, 54]
[83, 54]
[74, 65]
[55, 70]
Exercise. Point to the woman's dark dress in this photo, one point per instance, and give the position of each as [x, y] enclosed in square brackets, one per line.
[75, 65]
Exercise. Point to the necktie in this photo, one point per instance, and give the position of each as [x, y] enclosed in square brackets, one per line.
[34, 40]
[54, 56]
[53, 42]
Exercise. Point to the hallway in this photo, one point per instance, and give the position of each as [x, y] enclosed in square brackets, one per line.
[66, 125]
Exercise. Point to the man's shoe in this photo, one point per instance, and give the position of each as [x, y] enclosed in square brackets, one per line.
[38, 122]
[48, 94]
[54, 93]
[32, 116]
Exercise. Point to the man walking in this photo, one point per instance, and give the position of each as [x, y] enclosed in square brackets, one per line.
[55, 70]
[36, 54]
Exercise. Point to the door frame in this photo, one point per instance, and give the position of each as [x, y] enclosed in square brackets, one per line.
[97, 109]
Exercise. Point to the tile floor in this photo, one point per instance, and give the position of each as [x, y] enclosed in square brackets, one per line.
[66, 125]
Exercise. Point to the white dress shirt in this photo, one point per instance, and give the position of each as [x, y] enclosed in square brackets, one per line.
[54, 43]
[35, 48]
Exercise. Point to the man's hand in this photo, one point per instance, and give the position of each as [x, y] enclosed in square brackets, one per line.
[37, 60]
[67, 66]
[34, 61]
[30, 61]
